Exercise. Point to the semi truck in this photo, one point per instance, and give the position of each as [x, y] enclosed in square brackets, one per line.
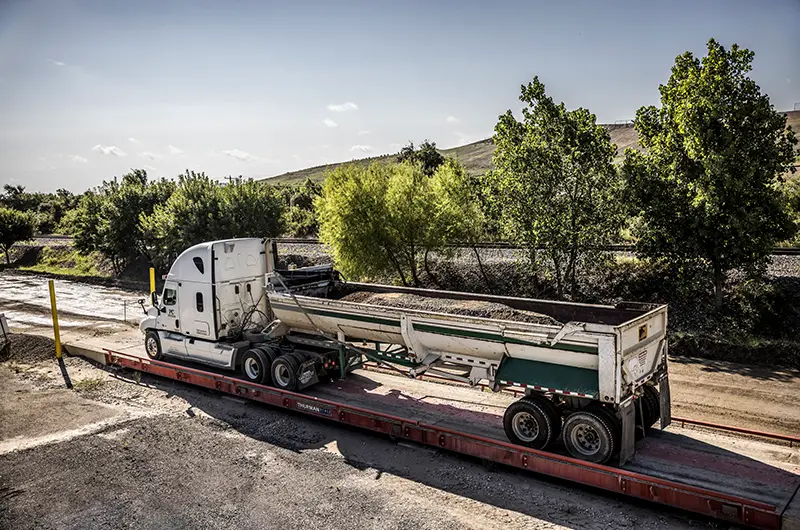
[594, 378]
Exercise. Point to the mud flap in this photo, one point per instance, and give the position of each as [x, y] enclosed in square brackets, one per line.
[628, 417]
[307, 375]
[665, 402]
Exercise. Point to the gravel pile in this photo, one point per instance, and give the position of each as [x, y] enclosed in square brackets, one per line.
[473, 308]
[28, 349]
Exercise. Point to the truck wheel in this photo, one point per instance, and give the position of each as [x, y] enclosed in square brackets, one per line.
[527, 423]
[270, 354]
[152, 345]
[255, 366]
[284, 372]
[651, 398]
[552, 412]
[589, 436]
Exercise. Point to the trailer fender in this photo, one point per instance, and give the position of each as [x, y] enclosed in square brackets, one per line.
[628, 416]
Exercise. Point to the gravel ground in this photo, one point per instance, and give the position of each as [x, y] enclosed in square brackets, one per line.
[193, 459]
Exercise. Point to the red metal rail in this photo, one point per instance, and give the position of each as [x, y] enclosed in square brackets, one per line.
[699, 500]
[683, 421]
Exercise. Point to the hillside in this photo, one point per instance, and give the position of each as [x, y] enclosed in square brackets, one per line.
[477, 156]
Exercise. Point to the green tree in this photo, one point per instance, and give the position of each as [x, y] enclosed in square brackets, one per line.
[426, 155]
[203, 210]
[15, 226]
[705, 184]
[300, 217]
[376, 219]
[555, 187]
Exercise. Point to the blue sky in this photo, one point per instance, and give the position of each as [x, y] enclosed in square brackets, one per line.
[90, 89]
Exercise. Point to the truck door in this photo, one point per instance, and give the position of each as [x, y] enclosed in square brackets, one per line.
[169, 316]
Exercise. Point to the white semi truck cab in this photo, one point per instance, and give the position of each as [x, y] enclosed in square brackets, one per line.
[595, 377]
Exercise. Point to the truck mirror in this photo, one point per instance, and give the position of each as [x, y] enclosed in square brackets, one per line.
[153, 299]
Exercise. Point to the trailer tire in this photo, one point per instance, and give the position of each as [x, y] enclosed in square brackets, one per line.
[612, 421]
[550, 408]
[589, 436]
[152, 345]
[651, 398]
[284, 372]
[255, 366]
[527, 422]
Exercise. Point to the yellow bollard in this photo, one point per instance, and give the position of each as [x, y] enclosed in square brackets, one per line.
[57, 334]
[152, 281]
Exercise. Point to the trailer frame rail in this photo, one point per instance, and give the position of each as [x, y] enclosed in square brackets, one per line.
[675, 494]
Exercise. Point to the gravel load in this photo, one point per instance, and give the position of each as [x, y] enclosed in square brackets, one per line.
[473, 308]
[27, 348]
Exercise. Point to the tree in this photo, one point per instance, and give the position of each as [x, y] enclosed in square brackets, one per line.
[426, 155]
[378, 220]
[15, 226]
[705, 185]
[201, 209]
[555, 187]
[300, 217]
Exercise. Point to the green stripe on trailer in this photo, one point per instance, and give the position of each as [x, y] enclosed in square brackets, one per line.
[439, 330]
[548, 376]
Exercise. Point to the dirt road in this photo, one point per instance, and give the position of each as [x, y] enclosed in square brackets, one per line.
[151, 453]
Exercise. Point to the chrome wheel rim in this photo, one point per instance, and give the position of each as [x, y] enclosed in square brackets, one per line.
[525, 427]
[152, 347]
[251, 368]
[585, 439]
[282, 375]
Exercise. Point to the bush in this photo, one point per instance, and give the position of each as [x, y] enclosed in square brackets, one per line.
[15, 226]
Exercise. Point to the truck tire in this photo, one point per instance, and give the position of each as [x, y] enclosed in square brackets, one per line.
[589, 436]
[255, 366]
[270, 354]
[651, 398]
[527, 422]
[284, 372]
[152, 346]
[551, 410]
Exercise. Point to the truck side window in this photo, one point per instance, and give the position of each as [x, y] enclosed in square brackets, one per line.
[199, 300]
[170, 297]
[198, 262]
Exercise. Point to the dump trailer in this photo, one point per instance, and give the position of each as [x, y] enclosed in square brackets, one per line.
[594, 377]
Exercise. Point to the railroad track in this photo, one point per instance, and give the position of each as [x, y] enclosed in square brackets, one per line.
[775, 251]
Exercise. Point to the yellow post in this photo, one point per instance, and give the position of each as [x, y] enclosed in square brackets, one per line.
[152, 281]
[57, 335]
[53, 309]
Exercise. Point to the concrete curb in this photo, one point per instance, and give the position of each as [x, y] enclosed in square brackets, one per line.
[76, 349]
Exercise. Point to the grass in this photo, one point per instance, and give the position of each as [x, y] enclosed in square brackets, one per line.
[66, 261]
[477, 156]
[89, 384]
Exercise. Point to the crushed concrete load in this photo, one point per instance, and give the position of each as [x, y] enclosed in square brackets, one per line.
[472, 308]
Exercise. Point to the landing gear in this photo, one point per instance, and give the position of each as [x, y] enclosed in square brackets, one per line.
[533, 421]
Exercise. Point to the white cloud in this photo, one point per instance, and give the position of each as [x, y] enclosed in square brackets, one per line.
[364, 133]
[330, 123]
[174, 150]
[58, 63]
[452, 119]
[394, 146]
[151, 156]
[240, 155]
[134, 140]
[78, 158]
[109, 150]
[342, 107]
[151, 168]
[362, 148]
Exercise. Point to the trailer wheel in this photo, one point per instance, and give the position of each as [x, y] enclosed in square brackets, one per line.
[255, 365]
[270, 354]
[284, 372]
[152, 345]
[651, 399]
[589, 436]
[527, 423]
[552, 412]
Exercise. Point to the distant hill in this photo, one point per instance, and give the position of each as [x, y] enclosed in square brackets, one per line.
[477, 156]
